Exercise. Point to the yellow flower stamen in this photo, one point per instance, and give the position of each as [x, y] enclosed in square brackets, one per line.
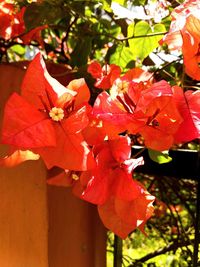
[57, 114]
[75, 176]
[122, 86]
[119, 87]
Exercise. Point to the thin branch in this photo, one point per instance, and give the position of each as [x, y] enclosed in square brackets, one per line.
[139, 152]
[184, 201]
[190, 86]
[166, 65]
[131, 37]
[64, 39]
[171, 247]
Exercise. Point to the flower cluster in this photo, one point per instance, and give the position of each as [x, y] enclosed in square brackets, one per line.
[13, 26]
[184, 35]
[92, 144]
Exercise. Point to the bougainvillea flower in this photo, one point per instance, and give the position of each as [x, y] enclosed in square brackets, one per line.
[45, 121]
[6, 10]
[188, 104]
[112, 113]
[123, 203]
[81, 89]
[133, 77]
[113, 173]
[184, 34]
[150, 112]
[12, 24]
[190, 48]
[122, 217]
[139, 75]
[34, 35]
[95, 132]
[148, 93]
[159, 124]
[179, 16]
[105, 76]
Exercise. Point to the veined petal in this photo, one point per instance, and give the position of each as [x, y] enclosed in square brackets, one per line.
[71, 151]
[122, 217]
[77, 121]
[120, 148]
[123, 185]
[38, 83]
[26, 127]
[97, 190]
[80, 87]
[189, 106]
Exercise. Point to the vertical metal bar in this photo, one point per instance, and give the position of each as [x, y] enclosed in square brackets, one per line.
[197, 228]
[118, 243]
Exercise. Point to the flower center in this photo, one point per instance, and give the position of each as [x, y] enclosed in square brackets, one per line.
[119, 87]
[57, 114]
[75, 176]
[122, 86]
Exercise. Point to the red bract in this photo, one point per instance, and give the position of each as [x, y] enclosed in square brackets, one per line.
[158, 124]
[123, 203]
[95, 132]
[188, 104]
[150, 112]
[44, 120]
[6, 19]
[138, 75]
[132, 79]
[34, 35]
[122, 217]
[12, 25]
[112, 113]
[105, 76]
[113, 173]
[190, 48]
[184, 33]
[179, 20]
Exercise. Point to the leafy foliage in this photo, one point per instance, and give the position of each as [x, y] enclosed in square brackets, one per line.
[144, 45]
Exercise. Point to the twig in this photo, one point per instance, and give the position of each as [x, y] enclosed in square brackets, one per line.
[190, 86]
[64, 39]
[171, 247]
[132, 37]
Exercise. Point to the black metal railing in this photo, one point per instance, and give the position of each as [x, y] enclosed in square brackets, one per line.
[185, 165]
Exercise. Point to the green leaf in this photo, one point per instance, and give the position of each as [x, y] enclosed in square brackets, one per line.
[18, 49]
[106, 5]
[131, 33]
[79, 56]
[114, 30]
[37, 14]
[122, 56]
[159, 157]
[138, 2]
[141, 47]
[121, 2]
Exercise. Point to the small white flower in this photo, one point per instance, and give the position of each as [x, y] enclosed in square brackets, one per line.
[57, 114]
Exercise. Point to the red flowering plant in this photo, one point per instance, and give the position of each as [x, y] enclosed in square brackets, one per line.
[13, 26]
[87, 132]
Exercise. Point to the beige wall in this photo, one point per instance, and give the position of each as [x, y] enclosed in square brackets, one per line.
[40, 225]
